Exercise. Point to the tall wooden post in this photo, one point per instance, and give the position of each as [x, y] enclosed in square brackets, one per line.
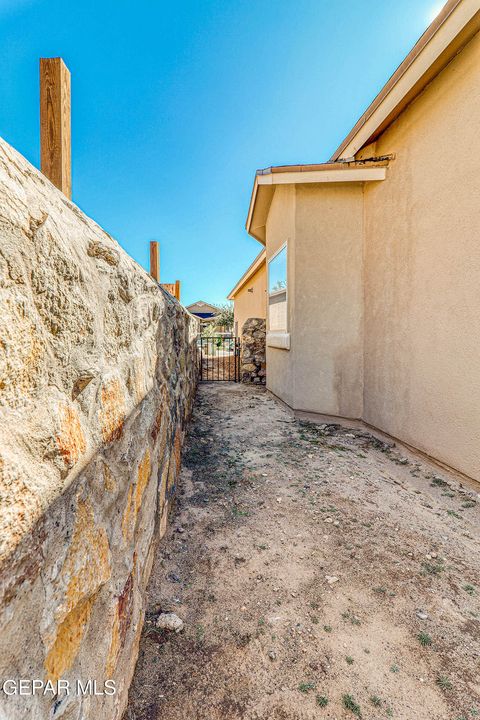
[55, 125]
[177, 290]
[154, 260]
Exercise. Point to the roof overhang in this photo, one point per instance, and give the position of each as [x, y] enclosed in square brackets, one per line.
[249, 273]
[454, 26]
[202, 303]
[267, 180]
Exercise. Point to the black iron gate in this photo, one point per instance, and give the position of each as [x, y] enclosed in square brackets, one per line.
[219, 358]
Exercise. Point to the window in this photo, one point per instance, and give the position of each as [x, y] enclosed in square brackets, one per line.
[277, 291]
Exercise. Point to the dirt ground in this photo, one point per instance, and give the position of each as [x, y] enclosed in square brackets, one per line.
[320, 573]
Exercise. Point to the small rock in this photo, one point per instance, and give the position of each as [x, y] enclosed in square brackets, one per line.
[272, 654]
[331, 579]
[169, 621]
[421, 615]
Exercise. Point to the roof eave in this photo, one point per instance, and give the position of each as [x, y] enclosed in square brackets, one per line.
[451, 30]
[250, 271]
[266, 181]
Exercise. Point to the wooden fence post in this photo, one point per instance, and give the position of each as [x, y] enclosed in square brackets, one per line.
[55, 123]
[154, 260]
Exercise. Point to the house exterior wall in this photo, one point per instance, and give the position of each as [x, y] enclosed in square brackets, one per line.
[280, 229]
[383, 280]
[422, 273]
[328, 299]
[251, 304]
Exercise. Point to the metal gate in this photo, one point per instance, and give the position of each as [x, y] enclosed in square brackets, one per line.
[219, 358]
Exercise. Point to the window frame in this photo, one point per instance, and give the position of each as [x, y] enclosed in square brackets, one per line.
[279, 338]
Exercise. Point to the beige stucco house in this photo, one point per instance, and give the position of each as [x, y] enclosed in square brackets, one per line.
[373, 259]
[204, 311]
[250, 293]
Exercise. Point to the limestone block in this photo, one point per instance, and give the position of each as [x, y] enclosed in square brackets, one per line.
[98, 369]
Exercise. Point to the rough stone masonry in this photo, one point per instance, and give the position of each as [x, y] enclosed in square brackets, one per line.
[252, 360]
[97, 378]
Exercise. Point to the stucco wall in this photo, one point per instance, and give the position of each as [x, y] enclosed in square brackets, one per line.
[280, 229]
[328, 299]
[97, 377]
[251, 300]
[322, 371]
[386, 286]
[422, 273]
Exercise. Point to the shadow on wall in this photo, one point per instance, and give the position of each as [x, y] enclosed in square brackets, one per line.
[98, 370]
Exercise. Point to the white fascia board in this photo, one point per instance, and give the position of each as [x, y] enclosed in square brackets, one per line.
[363, 174]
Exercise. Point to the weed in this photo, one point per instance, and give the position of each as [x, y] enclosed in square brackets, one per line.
[305, 687]
[380, 590]
[469, 589]
[314, 620]
[438, 482]
[349, 660]
[348, 615]
[236, 512]
[424, 639]
[322, 700]
[394, 668]
[469, 504]
[389, 712]
[375, 700]
[327, 628]
[452, 513]
[200, 631]
[314, 605]
[432, 568]
[263, 547]
[349, 703]
[444, 683]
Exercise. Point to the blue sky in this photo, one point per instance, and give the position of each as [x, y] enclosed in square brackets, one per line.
[176, 104]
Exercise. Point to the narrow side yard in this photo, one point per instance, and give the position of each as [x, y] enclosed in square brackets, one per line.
[319, 572]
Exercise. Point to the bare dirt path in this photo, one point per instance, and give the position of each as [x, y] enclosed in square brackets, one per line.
[319, 572]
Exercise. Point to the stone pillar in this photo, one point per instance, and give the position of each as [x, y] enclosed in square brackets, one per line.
[252, 358]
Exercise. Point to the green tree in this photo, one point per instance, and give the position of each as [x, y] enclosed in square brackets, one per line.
[224, 319]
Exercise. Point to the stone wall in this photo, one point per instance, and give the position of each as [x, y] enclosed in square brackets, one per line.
[97, 378]
[252, 358]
